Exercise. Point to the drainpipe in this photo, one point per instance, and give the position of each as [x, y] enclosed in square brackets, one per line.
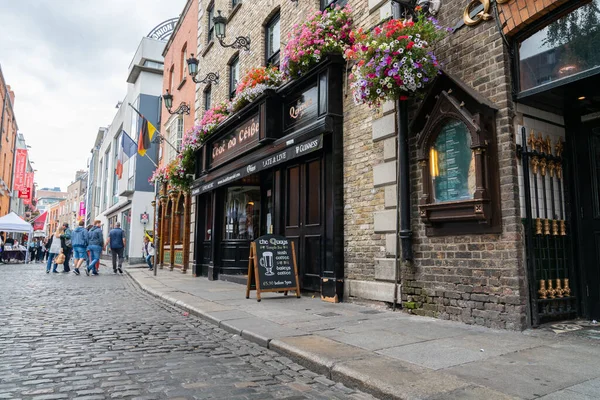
[403, 231]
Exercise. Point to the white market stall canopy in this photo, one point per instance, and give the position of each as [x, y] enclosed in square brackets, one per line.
[13, 223]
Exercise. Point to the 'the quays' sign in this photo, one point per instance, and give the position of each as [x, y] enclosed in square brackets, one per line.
[242, 138]
[164, 30]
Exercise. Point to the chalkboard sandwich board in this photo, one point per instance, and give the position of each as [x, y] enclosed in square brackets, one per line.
[272, 266]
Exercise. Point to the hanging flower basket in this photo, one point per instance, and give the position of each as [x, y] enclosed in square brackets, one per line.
[254, 84]
[394, 61]
[180, 171]
[327, 31]
[160, 175]
[194, 138]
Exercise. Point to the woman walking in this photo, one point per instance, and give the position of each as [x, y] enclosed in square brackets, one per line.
[55, 247]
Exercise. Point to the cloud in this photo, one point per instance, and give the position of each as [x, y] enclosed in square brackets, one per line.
[67, 62]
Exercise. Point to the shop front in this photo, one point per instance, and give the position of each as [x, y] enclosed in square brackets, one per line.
[275, 167]
[557, 86]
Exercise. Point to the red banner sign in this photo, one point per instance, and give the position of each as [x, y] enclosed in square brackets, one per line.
[38, 224]
[26, 195]
[20, 168]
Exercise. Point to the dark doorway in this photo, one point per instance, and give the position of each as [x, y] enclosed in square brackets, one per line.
[303, 219]
[587, 147]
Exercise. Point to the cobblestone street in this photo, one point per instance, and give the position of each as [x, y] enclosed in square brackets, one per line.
[76, 337]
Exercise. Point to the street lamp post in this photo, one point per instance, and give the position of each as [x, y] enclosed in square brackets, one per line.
[182, 109]
[211, 77]
[240, 42]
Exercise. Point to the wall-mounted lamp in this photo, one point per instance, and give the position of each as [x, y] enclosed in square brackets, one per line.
[211, 77]
[182, 109]
[240, 42]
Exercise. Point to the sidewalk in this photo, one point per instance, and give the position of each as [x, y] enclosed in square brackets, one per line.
[392, 354]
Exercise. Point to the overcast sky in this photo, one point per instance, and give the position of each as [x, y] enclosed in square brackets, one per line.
[67, 61]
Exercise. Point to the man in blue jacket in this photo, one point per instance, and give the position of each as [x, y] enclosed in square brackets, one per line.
[95, 244]
[79, 239]
[116, 240]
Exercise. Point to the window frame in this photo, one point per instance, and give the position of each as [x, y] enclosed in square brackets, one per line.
[482, 213]
[207, 97]
[272, 59]
[210, 11]
[182, 62]
[332, 3]
[234, 66]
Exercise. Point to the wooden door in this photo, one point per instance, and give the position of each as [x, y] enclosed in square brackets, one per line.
[303, 219]
[588, 167]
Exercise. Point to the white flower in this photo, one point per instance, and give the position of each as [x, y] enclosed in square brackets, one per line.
[378, 91]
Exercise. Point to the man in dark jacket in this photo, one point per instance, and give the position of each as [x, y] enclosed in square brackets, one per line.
[79, 239]
[116, 240]
[68, 249]
[95, 243]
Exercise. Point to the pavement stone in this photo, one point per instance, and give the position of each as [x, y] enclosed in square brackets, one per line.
[90, 338]
[388, 354]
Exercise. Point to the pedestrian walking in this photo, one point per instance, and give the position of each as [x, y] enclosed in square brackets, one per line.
[148, 251]
[68, 246]
[32, 251]
[55, 247]
[116, 240]
[1, 247]
[40, 250]
[95, 243]
[79, 239]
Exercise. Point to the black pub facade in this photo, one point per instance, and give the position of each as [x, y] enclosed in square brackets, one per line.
[275, 167]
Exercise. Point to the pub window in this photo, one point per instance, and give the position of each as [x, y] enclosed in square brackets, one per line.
[211, 25]
[242, 213]
[234, 75]
[457, 157]
[565, 48]
[207, 95]
[272, 41]
[332, 3]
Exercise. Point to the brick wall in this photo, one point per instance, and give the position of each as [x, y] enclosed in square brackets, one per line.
[249, 20]
[477, 279]
[183, 89]
[517, 14]
[8, 135]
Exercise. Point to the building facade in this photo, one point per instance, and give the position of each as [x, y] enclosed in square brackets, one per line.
[8, 139]
[504, 238]
[94, 185]
[124, 197]
[174, 208]
[76, 194]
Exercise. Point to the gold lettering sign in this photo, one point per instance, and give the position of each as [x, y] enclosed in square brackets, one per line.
[482, 15]
[238, 141]
[296, 111]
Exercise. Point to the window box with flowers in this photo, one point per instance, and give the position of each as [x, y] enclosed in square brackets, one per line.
[325, 32]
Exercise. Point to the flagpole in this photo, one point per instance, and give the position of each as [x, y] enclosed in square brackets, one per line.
[160, 135]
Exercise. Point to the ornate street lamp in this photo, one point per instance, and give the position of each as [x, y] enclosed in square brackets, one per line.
[182, 109]
[240, 42]
[211, 77]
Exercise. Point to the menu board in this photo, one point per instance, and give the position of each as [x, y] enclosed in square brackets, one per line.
[272, 266]
[452, 164]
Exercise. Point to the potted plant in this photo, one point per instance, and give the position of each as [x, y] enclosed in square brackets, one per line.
[253, 84]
